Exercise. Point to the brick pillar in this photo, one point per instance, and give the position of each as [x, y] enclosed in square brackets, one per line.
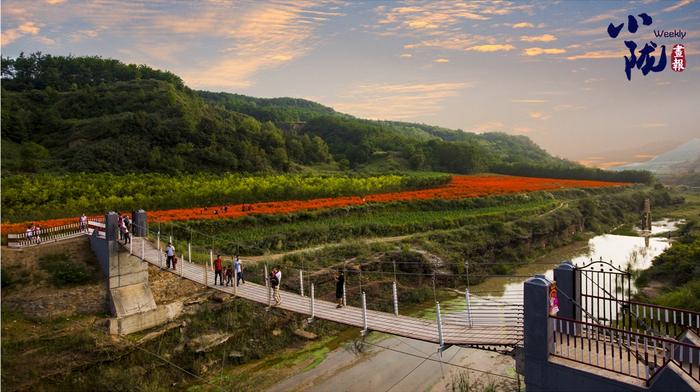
[568, 290]
[139, 226]
[537, 332]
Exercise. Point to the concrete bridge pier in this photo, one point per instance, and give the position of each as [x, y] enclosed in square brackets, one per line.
[130, 298]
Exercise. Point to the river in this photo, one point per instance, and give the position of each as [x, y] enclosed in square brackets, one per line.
[391, 363]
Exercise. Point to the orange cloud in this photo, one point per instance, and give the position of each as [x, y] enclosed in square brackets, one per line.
[599, 54]
[492, 48]
[540, 51]
[538, 38]
[397, 101]
[529, 100]
[26, 28]
[441, 60]
[523, 25]
[265, 36]
[678, 5]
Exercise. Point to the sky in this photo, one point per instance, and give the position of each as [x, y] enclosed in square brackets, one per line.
[547, 70]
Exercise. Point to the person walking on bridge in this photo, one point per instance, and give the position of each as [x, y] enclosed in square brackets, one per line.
[275, 281]
[169, 253]
[83, 222]
[218, 270]
[239, 271]
[339, 283]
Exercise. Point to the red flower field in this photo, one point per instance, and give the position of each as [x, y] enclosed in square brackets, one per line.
[459, 187]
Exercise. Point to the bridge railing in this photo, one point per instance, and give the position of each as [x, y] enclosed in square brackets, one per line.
[633, 354]
[51, 234]
[640, 316]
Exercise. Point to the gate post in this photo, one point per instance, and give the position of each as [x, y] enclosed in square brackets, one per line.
[537, 332]
[568, 290]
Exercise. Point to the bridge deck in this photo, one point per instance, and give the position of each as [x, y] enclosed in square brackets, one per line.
[405, 326]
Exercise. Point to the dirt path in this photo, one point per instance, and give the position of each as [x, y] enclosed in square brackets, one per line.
[277, 256]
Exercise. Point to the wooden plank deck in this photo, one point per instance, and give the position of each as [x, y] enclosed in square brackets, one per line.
[405, 326]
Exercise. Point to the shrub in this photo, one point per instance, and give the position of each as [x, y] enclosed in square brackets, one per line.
[64, 271]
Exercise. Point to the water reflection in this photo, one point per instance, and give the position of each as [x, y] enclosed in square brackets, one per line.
[621, 251]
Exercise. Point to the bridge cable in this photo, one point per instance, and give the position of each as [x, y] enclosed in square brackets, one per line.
[409, 373]
[175, 365]
[435, 360]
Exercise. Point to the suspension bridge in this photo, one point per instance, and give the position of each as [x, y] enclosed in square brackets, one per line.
[599, 337]
[446, 332]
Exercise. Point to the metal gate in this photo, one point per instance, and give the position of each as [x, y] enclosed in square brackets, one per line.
[605, 291]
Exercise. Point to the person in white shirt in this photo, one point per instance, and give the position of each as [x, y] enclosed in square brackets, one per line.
[170, 253]
[275, 280]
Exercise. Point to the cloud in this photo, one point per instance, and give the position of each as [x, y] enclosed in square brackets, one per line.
[522, 130]
[397, 101]
[610, 15]
[653, 125]
[26, 28]
[442, 60]
[492, 48]
[598, 54]
[681, 3]
[442, 24]
[265, 36]
[488, 126]
[529, 100]
[540, 51]
[406, 55]
[523, 25]
[52, 2]
[83, 34]
[538, 38]
[539, 115]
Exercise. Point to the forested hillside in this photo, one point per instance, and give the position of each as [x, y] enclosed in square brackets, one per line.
[88, 114]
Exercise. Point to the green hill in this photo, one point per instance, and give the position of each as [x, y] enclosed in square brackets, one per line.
[88, 114]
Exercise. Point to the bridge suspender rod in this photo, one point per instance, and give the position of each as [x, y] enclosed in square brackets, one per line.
[131, 247]
[182, 263]
[267, 285]
[364, 314]
[313, 299]
[301, 283]
[170, 239]
[189, 252]
[143, 248]
[393, 287]
[211, 258]
[396, 300]
[206, 280]
[235, 280]
[439, 327]
[158, 237]
[469, 307]
[345, 302]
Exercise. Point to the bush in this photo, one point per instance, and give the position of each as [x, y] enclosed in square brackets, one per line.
[64, 271]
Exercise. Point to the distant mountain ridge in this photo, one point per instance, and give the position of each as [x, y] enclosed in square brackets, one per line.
[684, 157]
[88, 114]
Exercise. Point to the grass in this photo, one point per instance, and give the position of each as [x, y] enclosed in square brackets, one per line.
[251, 237]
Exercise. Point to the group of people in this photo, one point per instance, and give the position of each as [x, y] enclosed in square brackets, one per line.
[33, 233]
[220, 271]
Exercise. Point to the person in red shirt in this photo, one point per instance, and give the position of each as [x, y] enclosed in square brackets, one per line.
[218, 270]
